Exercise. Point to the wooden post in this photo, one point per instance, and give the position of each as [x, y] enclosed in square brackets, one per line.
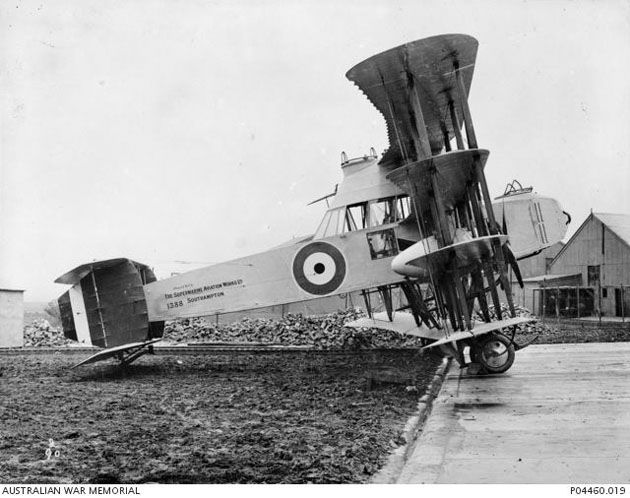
[558, 303]
[462, 214]
[479, 221]
[481, 180]
[578, 300]
[461, 294]
[442, 221]
[419, 308]
[386, 298]
[454, 303]
[463, 103]
[489, 273]
[483, 302]
[447, 143]
[423, 148]
[455, 123]
[368, 304]
[472, 144]
[506, 285]
[412, 300]
[438, 232]
[534, 303]
[599, 298]
[446, 302]
[469, 217]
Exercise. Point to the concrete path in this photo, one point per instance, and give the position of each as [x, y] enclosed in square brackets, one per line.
[561, 414]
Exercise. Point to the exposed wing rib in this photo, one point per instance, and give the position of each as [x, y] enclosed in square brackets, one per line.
[428, 66]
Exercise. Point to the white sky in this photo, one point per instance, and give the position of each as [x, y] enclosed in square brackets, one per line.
[199, 130]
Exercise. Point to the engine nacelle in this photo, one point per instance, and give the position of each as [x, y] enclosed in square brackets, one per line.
[106, 306]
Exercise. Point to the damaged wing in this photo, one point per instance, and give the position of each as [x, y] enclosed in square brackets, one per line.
[428, 66]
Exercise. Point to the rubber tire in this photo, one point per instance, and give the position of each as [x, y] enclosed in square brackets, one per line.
[476, 355]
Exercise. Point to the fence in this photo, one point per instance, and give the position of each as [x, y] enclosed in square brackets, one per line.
[580, 302]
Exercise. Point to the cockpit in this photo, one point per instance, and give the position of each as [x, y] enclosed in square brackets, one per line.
[367, 203]
[364, 215]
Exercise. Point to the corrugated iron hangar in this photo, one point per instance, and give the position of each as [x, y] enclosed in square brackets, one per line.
[589, 275]
[599, 252]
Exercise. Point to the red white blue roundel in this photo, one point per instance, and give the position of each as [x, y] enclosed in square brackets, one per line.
[319, 268]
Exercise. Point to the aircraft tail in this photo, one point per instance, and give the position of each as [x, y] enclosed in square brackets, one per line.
[106, 305]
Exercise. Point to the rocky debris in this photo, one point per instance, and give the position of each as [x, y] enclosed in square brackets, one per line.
[320, 332]
[42, 333]
[328, 332]
[532, 328]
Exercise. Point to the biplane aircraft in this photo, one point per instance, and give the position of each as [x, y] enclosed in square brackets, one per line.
[414, 230]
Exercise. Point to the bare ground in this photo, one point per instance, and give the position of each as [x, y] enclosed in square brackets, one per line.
[238, 418]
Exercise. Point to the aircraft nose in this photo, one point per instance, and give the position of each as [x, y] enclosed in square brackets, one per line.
[400, 264]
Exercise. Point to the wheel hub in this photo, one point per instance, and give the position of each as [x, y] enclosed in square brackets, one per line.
[495, 353]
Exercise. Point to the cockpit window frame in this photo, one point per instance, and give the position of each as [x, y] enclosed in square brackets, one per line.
[341, 220]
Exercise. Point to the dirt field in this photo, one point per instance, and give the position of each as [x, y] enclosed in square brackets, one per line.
[240, 418]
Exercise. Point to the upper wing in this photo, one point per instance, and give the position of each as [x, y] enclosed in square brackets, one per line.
[428, 67]
[454, 171]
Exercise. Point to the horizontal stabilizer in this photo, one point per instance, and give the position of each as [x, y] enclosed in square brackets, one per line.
[404, 323]
[75, 275]
[119, 351]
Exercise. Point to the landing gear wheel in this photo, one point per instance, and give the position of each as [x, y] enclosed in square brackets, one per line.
[494, 352]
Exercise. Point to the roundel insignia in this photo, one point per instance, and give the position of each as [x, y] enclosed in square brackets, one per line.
[319, 268]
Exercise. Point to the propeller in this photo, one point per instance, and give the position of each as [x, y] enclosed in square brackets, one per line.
[509, 255]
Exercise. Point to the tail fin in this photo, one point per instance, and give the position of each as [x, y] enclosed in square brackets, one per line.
[106, 305]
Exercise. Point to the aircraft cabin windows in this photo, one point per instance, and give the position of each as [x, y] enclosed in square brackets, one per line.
[332, 224]
[356, 217]
[389, 210]
[336, 223]
[364, 215]
[380, 212]
[322, 226]
[404, 207]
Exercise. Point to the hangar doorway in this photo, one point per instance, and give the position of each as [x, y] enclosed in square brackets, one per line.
[622, 301]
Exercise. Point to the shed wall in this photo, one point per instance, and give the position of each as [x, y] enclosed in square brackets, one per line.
[595, 244]
[11, 318]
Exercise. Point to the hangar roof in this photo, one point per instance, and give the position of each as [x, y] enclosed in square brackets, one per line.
[617, 223]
